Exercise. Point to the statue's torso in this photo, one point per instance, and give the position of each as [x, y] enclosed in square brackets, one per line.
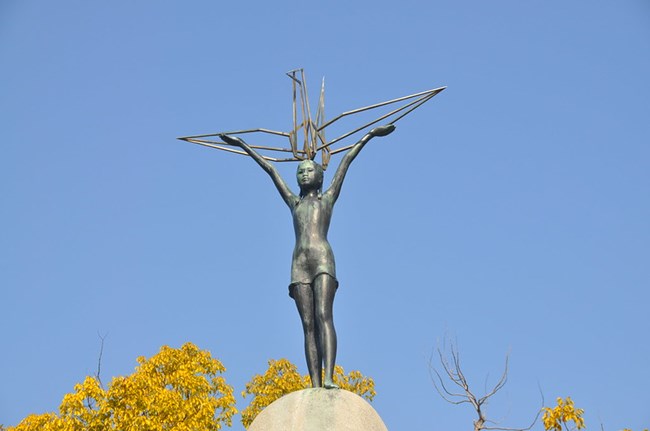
[312, 254]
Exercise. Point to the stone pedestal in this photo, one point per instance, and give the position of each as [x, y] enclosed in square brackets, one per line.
[319, 409]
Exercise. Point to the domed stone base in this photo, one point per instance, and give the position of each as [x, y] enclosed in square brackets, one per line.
[319, 409]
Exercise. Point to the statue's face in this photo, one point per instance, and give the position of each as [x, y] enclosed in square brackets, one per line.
[309, 175]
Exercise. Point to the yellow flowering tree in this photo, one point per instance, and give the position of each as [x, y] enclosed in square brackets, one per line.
[560, 415]
[180, 389]
[282, 377]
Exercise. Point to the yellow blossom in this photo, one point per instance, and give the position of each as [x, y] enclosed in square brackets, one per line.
[282, 377]
[180, 389]
[561, 414]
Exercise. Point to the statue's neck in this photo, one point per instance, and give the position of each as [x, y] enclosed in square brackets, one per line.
[309, 193]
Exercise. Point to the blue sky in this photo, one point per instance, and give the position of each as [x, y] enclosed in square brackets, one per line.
[510, 213]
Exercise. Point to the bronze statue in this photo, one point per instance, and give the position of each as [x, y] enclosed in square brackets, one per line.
[313, 271]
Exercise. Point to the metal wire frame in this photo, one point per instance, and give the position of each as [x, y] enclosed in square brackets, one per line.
[314, 132]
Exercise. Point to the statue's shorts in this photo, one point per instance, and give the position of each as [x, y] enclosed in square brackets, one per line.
[309, 285]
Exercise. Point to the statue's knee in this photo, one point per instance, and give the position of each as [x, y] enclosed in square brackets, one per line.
[323, 316]
[309, 324]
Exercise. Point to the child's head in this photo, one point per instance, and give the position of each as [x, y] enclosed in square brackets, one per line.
[310, 176]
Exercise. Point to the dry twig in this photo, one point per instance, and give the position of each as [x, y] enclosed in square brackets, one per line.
[462, 394]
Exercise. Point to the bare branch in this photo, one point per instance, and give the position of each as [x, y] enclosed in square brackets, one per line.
[539, 412]
[99, 360]
[447, 394]
[462, 381]
[452, 368]
[501, 383]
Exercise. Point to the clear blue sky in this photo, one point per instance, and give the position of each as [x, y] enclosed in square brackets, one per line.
[511, 213]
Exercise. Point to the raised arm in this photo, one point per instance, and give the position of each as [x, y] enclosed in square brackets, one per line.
[335, 188]
[286, 193]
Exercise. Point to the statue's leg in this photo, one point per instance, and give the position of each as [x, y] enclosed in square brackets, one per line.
[304, 297]
[324, 290]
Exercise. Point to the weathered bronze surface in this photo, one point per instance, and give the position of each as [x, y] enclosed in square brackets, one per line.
[313, 270]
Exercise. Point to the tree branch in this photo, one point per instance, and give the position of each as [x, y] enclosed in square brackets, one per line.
[454, 372]
[99, 360]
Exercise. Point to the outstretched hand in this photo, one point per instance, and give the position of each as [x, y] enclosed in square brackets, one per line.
[232, 140]
[383, 130]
